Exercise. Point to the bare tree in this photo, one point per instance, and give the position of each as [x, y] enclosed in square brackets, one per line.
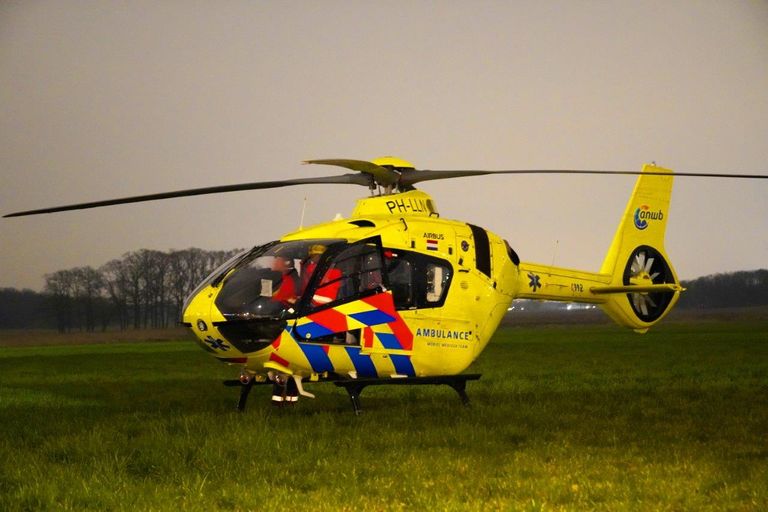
[60, 287]
[88, 287]
[186, 269]
[116, 286]
[145, 288]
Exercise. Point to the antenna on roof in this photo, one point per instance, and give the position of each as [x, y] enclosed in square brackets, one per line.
[554, 253]
[303, 211]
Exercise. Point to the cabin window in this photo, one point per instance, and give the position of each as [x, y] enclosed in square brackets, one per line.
[400, 272]
[437, 279]
[417, 280]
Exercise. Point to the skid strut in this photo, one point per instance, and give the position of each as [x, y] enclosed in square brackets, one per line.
[245, 389]
[355, 386]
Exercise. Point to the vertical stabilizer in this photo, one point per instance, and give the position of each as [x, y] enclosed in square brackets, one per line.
[637, 256]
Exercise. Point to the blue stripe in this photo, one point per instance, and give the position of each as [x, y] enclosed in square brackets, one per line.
[374, 317]
[403, 365]
[389, 341]
[317, 357]
[363, 364]
[314, 330]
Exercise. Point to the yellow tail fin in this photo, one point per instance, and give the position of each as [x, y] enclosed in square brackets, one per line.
[636, 285]
[637, 257]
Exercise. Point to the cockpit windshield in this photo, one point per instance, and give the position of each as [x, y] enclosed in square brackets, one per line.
[261, 290]
[269, 280]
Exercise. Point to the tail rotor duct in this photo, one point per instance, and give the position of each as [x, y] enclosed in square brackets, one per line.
[647, 266]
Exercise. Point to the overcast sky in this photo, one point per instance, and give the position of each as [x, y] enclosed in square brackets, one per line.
[103, 99]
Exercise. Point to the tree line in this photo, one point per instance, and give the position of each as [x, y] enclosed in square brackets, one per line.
[143, 289]
[731, 290]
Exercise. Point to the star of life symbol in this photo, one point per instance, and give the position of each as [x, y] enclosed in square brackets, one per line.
[534, 281]
[216, 343]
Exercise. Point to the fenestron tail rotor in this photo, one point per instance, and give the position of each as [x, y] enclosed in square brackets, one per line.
[646, 266]
[390, 173]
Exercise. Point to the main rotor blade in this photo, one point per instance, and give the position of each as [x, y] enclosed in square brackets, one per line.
[382, 175]
[355, 179]
[412, 176]
[405, 178]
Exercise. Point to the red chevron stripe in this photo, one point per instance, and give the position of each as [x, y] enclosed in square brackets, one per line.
[330, 319]
[276, 358]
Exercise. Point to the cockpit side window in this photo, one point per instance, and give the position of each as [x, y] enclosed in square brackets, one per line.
[268, 281]
[356, 271]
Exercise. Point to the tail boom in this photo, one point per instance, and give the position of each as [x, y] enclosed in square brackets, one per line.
[636, 285]
[542, 282]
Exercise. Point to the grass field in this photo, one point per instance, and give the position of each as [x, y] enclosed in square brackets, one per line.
[564, 418]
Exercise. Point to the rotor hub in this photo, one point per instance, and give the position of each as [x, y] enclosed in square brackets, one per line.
[393, 162]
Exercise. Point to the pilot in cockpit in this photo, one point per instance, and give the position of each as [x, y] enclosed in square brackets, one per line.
[328, 288]
[289, 290]
[310, 264]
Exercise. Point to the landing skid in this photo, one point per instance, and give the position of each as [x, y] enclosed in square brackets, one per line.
[355, 387]
[457, 382]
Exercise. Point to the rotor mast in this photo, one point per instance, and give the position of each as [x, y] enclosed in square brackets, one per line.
[385, 173]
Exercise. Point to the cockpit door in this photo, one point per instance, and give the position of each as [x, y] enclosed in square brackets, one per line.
[347, 272]
[349, 302]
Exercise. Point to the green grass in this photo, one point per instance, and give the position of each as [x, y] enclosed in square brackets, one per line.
[564, 418]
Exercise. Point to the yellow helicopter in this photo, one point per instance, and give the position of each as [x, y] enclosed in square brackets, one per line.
[395, 294]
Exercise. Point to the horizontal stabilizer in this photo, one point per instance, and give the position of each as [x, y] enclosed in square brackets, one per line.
[651, 288]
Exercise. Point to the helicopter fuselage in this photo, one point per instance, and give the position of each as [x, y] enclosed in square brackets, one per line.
[398, 291]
